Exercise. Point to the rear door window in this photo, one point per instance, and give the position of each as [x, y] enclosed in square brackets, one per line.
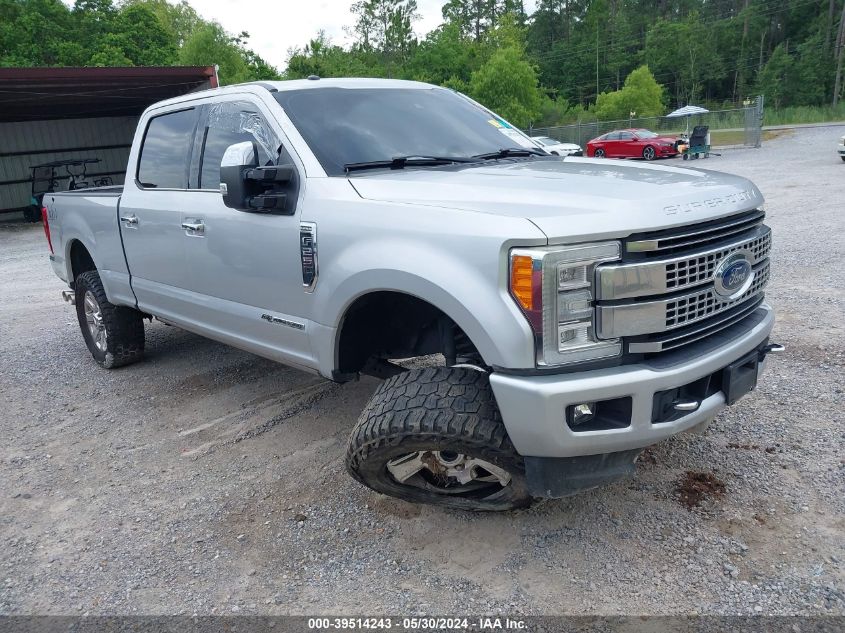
[165, 153]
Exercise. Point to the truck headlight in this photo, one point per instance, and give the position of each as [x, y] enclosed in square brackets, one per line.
[553, 286]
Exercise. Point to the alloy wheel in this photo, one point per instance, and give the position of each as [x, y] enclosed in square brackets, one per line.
[94, 319]
[449, 473]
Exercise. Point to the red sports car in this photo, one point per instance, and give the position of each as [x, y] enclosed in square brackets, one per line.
[632, 144]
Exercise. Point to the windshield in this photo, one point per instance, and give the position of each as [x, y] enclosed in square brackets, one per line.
[344, 126]
[544, 140]
[646, 134]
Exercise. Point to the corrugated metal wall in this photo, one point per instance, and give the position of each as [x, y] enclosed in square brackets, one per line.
[24, 144]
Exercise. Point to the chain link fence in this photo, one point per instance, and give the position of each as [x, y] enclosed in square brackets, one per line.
[738, 127]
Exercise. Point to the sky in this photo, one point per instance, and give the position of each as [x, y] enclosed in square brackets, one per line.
[275, 26]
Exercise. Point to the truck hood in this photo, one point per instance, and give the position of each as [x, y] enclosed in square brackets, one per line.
[572, 199]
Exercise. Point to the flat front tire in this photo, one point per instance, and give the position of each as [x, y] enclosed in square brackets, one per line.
[435, 436]
[113, 334]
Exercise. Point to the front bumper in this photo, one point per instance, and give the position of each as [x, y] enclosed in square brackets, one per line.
[534, 407]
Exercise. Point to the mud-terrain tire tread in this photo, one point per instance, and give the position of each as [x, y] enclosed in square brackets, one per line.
[124, 326]
[434, 405]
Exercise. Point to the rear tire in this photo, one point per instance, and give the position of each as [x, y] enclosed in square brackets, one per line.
[114, 334]
[426, 428]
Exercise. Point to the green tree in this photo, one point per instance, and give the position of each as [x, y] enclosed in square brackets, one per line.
[775, 78]
[179, 19]
[507, 84]
[209, 45]
[446, 56]
[686, 52]
[385, 26]
[641, 94]
[142, 39]
[320, 57]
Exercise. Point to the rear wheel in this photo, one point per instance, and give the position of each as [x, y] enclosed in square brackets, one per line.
[435, 436]
[599, 153]
[648, 152]
[114, 334]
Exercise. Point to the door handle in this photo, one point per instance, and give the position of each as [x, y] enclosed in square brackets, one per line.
[194, 228]
[131, 220]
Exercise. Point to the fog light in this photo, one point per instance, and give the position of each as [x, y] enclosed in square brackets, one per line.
[583, 412]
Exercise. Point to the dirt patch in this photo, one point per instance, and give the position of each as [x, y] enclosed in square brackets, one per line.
[696, 487]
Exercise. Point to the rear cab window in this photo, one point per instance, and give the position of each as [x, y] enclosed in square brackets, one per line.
[165, 150]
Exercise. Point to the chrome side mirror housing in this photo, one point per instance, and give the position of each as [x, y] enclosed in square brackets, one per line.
[236, 161]
[247, 187]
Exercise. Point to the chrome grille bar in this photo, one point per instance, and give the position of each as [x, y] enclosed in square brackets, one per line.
[674, 311]
[652, 277]
[678, 338]
[696, 235]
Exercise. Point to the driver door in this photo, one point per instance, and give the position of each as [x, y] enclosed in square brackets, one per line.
[245, 266]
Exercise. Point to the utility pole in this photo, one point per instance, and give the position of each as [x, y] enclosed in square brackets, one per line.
[597, 58]
[840, 54]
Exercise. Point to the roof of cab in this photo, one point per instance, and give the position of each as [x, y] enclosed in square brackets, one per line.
[297, 84]
[343, 82]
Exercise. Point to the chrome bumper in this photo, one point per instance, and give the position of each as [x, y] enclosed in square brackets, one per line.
[533, 407]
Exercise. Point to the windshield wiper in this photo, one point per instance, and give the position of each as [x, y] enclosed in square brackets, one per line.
[400, 162]
[507, 152]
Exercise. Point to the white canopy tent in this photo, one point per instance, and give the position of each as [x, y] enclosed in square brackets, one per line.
[687, 111]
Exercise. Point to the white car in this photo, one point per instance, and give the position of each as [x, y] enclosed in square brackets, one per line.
[553, 146]
[842, 148]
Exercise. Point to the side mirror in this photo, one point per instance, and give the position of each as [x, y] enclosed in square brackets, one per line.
[247, 187]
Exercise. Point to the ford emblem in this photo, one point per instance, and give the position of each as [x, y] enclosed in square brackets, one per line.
[733, 276]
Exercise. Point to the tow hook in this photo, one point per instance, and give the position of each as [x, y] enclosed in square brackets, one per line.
[69, 296]
[771, 348]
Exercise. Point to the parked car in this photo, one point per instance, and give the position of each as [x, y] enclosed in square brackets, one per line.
[576, 312]
[633, 143]
[553, 146]
[842, 148]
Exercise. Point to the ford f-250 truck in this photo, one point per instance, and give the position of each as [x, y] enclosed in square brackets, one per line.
[578, 310]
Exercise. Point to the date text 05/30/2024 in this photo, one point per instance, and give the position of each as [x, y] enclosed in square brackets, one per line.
[484, 623]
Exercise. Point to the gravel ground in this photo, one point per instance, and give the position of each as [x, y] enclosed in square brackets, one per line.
[206, 480]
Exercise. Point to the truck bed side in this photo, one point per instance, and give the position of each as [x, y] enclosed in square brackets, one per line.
[84, 227]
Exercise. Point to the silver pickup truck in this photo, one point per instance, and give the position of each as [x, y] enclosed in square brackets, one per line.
[568, 312]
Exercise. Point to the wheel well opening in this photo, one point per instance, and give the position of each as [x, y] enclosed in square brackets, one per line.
[392, 325]
[80, 260]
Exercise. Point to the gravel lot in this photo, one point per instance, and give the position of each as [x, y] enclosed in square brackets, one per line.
[206, 480]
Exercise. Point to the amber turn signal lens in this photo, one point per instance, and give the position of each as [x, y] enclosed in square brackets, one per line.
[522, 284]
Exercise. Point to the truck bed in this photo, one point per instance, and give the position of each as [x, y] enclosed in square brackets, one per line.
[110, 191]
[89, 217]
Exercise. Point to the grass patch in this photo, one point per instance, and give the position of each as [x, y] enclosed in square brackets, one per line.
[804, 114]
[737, 137]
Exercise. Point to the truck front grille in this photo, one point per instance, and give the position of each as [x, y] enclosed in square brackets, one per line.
[700, 305]
[660, 243]
[656, 303]
[696, 270]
